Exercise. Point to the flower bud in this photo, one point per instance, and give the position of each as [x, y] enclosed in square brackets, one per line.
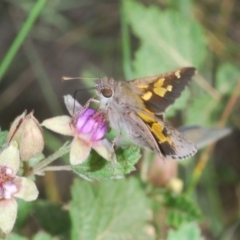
[26, 131]
[160, 173]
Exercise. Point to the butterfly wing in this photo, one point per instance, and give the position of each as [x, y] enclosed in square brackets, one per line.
[159, 92]
[170, 142]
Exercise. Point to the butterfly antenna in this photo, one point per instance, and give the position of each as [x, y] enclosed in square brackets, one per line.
[66, 78]
[78, 90]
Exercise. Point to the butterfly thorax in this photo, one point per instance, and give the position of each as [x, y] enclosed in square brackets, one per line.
[117, 94]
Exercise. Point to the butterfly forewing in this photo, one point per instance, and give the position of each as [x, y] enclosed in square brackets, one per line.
[159, 92]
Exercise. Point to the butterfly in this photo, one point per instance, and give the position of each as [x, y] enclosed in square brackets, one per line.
[137, 109]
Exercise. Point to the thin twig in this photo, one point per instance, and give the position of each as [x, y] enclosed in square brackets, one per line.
[230, 105]
[204, 84]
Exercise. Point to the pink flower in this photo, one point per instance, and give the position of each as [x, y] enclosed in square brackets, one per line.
[90, 124]
[12, 186]
[88, 128]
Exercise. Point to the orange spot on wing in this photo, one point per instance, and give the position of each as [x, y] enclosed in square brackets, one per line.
[159, 82]
[157, 129]
[177, 74]
[146, 117]
[146, 96]
[160, 91]
[169, 88]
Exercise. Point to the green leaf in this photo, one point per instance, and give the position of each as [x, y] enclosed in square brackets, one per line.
[109, 210]
[44, 236]
[168, 40]
[195, 114]
[24, 211]
[179, 104]
[226, 80]
[14, 236]
[52, 217]
[97, 168]
[183, 6]
[227, 77]
[185, 231]
[180, 209]
[3, 137]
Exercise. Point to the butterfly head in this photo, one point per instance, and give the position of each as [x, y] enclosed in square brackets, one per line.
[105, 88]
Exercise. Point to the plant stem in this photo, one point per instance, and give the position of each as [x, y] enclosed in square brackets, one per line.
[126, 51]
[21, 36]
[58, 168]
[60, 152]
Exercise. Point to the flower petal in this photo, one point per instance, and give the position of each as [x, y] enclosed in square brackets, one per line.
[99, 132]
[84, 121]
[10, 157]
[27, 189]
[59, 124]
[104, 148]
[79, 152]
[73, 106]
[8, 214]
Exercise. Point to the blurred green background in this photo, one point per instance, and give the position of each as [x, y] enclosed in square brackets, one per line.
[125, 40]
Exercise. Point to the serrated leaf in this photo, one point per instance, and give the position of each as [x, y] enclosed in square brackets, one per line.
[97, 168]
[227, 77]
[109, 210]
[44, 236]
[180, 209]
[3, 137]
[169, 40]
[172, 39]
[52, 217]
[185, 231]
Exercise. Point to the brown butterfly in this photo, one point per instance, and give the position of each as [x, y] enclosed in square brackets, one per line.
[135, 108]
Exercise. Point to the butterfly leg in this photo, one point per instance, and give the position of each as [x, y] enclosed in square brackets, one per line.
[113, 162]
[91, 100]
[115, 140]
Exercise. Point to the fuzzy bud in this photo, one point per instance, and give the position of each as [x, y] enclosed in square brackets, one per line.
[26, 131]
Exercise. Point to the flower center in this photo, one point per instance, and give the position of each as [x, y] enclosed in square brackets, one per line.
[7, 184]
[92, 124]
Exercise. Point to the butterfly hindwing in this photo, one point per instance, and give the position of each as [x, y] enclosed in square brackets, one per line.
[161, 91]
[171, 142]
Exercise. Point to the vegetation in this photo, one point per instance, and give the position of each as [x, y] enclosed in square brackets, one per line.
[141, 197]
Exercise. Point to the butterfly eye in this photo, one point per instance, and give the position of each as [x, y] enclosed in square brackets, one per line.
[107, 92]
